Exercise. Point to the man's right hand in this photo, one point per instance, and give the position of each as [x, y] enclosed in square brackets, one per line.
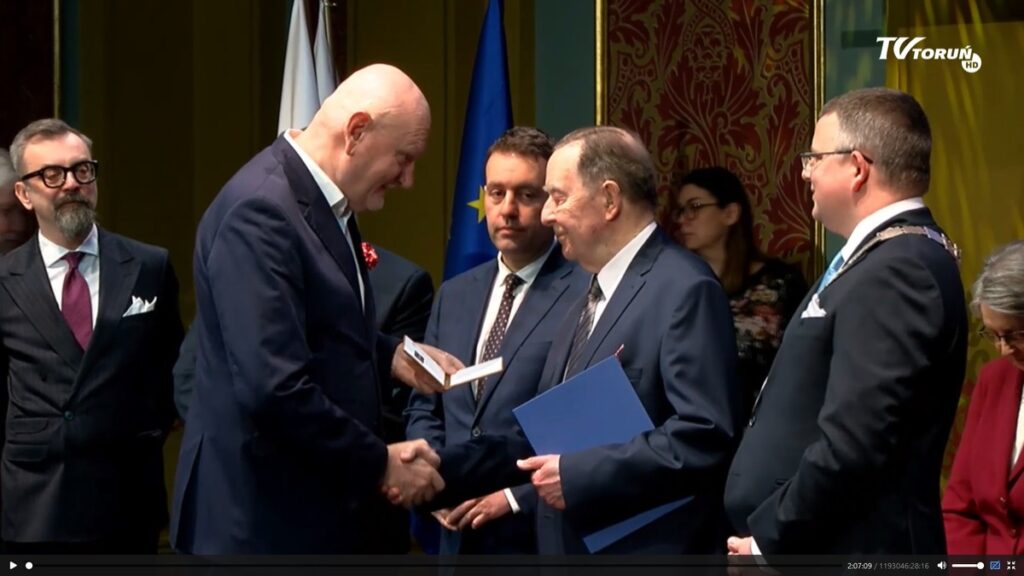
[411, 477]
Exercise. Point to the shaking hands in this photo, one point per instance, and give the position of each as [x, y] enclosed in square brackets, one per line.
[411, 477]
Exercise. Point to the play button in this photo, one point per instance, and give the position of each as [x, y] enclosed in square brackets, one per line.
[13, 566]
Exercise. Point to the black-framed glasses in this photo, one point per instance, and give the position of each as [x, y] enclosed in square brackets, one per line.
[809, 159]
[690, 210]
[54, 176]
[1013, 339]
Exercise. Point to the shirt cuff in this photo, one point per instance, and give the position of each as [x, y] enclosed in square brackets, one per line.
[511, 501]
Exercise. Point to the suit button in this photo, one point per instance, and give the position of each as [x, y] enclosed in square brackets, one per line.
[1002, 500]
[69, 415]
[476, 432]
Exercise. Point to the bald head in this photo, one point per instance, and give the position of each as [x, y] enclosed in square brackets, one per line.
[378, 89]
[369, 133]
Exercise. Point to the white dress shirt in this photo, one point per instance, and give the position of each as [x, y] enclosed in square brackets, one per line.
[527, 274]
[611, 274]
[88, 267]
[874, 220]
[335, 199]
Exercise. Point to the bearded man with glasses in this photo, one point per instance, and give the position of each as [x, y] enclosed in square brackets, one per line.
[89, 331]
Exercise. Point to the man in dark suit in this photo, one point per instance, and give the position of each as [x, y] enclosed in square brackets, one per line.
[403, 293]
[661, 310]
[844, 449]
[508, 308]
[90, 328]
[281, 452]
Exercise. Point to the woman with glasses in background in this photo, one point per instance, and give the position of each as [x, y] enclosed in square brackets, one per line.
[709, 213]
[983, 507]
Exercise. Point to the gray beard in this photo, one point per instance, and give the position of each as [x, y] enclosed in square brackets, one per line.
[75, 219]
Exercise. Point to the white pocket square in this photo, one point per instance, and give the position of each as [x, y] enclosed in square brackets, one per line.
[140, 306]
[814, 309]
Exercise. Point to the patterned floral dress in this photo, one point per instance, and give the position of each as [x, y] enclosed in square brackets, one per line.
[760, 311]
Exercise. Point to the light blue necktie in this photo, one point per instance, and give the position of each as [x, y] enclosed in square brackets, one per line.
[833, 268]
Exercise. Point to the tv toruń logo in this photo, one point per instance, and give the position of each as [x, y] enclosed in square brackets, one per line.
[904, 47]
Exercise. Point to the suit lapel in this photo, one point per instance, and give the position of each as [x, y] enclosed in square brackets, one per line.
[559, 355]
[29, 287]
[632, 281]
[318, 214]
[473, 301]
[546, 289]
[916, 217]
[119, 270]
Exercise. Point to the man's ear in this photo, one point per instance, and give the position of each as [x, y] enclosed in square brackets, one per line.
[21, 192]
[611, 195]
[358, 125]
[862, 168]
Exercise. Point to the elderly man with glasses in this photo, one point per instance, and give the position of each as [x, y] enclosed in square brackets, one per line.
[89, 331]
[843, 451]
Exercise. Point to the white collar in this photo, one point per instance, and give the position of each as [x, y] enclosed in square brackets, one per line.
[334, 196]
[53, 252]
[874, 220]
[610, 275]
[527, 273]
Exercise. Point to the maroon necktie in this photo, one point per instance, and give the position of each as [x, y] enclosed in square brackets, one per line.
[76, 304]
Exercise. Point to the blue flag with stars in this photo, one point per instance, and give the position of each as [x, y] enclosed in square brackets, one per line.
[488, 116]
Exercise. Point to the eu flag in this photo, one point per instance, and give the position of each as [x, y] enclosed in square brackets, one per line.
[488, 116]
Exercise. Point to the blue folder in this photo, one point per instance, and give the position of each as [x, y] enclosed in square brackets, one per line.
[595, 407]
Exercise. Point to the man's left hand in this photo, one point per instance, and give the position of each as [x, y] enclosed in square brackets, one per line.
[476, 512]
[546, 478]
[415, 376]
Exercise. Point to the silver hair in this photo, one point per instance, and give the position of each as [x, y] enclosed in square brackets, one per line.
[46, 129]
[7, 173]
[1000, 286]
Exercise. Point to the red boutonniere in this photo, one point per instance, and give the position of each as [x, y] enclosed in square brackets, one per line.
[370, 256]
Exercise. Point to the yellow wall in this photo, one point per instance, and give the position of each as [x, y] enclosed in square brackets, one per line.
[176, 96]
[977, 191]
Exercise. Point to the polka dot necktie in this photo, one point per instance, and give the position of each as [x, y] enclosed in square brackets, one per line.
[497, 333]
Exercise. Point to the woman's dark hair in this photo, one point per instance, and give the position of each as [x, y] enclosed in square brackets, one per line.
[740, 246]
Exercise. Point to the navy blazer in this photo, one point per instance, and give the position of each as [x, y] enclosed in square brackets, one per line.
[453, 417]
[280, 453]
[84, 432]
[844, 451]
[671, 319]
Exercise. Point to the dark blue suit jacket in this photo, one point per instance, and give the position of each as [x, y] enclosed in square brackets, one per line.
[671, 318]
[844, 451]
[280, 453]
[455, 324]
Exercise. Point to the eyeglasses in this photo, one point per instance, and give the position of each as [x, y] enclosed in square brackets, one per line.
[690, 210]
[809, 159]
[1013, 339]
[54, 176]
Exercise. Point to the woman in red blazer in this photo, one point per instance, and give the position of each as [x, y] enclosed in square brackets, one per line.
[983, 506]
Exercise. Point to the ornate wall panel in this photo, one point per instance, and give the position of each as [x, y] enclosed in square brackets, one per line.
[708, 82]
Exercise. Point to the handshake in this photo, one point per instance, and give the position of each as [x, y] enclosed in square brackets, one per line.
[411, 477]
